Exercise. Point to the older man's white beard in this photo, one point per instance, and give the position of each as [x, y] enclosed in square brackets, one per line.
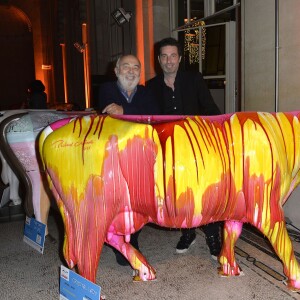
[128, 85]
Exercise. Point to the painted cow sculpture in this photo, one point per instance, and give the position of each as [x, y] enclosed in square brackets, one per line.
[111, 176]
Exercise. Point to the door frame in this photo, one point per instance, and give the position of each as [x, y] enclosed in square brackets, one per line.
[230, 63]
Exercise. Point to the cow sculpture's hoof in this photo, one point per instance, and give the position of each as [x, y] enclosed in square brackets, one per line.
[145, 276]
[292, 285]
[222, 274]
[227, 270]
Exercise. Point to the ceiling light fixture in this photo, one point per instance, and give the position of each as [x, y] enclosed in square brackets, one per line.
[121, 16]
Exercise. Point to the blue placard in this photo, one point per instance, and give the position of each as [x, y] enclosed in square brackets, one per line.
[76, 287]
[34, 234]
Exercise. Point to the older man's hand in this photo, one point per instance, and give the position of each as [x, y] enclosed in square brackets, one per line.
[113, 109]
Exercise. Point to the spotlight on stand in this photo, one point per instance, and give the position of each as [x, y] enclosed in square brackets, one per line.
[121, 16]
[79, 47]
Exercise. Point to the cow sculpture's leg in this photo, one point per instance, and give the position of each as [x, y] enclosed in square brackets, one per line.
[68, 247]
[144, 271]
[282, 245]
[229, 266]
[44, 204]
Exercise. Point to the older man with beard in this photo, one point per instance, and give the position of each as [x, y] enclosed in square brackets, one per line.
[126, 96]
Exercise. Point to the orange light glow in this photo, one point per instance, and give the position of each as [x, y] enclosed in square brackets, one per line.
[63, 51]
[151, 39]
[140, 37]
[86, 64]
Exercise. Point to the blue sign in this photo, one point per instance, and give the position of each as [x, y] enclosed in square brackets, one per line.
[34, 234]
[76, 287]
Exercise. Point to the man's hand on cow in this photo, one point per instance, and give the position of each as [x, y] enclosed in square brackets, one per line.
[113, 109]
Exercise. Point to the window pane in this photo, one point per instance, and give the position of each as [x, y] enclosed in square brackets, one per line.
[221, 4]
[217, 89]
[182, 12]
[214, 59]
[197, 9]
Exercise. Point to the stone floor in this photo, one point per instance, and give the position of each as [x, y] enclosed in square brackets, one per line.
[27, 274]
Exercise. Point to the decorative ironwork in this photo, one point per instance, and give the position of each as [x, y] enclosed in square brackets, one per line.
[191, 42]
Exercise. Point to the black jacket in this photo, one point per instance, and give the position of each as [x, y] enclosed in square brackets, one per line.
[142, 103]
[196, 98]
[37, 100]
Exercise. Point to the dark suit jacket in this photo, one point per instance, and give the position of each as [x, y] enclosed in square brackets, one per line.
[196, 98]
[142, 103]
[37, 100]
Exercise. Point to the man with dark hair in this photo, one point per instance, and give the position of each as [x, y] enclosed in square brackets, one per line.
[184, 93]
[169, 41]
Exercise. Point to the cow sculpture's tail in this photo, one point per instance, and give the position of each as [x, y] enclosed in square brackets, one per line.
[68, 249]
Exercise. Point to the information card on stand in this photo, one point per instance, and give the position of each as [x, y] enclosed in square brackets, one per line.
[34, 234]
[76, 287]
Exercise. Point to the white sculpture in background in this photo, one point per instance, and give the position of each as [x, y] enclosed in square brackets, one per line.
[9, 178]
[21, 135]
